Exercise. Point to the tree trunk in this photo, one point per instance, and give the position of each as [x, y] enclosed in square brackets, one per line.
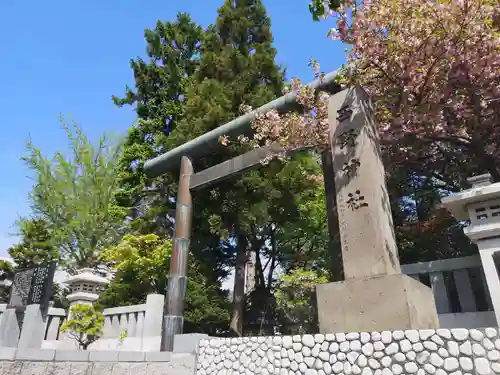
[236, 324]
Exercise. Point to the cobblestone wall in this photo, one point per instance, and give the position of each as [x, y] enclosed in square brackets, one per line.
[439, 352]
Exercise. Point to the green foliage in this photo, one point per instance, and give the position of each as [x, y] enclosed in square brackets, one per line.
[160, 84]
[75, 196]
[123, 335]
[36, 246]
[6, 273]
[296, 300]
[142, 264]
[317, 7]
[85, 325]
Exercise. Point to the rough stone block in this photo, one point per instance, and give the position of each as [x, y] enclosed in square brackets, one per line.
[104, 356]
[131, 356]
[387, 302]
[72, 355]
[29, 354]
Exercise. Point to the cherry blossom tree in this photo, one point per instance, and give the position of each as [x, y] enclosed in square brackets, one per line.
[432, 69]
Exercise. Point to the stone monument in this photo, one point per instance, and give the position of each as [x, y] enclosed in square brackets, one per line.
[32, 286]
[23, 322]
[375, 295]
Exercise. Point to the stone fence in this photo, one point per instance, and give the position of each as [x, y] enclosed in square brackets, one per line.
[460, 291]
[129, 328]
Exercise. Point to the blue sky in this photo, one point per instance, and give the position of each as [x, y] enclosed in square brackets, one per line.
[69, 57]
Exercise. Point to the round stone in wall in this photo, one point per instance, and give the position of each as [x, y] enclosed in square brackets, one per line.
[308, 340]
[476, 334]
[392, 349]
[466, 363]
[478, 350]
[376, 336]
[364, 337]
[425, 334]
[333, 348]
[324, 356]
[352, 336]
[337, 367]
[405, 345]
[460, 334]
[436, 360]
[398, 335]
[399, 357]
[330, 337]
[494, 355]
[396, 369]
[411, 367]
[386, 337]
[451, 364]
[319, 338]
[367, 349]
[490, 332]
[355, 345]
[429, 368]
[444, 333]
[418, 347]
[287, 342]
[412, 335]
[482, 366]
[488, 344]
[379, 345]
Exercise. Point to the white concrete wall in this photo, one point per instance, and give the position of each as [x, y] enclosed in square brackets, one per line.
[50, 362]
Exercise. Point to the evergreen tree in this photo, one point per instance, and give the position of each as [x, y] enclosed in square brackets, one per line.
[237, 66]
[160, 83]
[159, 95]
[37, 244]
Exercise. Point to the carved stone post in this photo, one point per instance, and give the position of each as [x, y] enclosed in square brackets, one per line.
[177, 278]
[374, 296]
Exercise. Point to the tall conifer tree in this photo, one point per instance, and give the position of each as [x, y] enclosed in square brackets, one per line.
[237, 66]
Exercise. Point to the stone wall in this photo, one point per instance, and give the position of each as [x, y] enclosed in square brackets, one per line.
[51, 362]
[439, 352]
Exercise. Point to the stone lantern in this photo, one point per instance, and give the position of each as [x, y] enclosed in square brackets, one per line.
[85, 286]
[481, 205]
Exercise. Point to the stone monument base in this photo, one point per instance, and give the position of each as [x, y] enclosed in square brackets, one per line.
[378, 303]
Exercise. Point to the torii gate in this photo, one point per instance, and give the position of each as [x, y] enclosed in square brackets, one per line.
[354, 175]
